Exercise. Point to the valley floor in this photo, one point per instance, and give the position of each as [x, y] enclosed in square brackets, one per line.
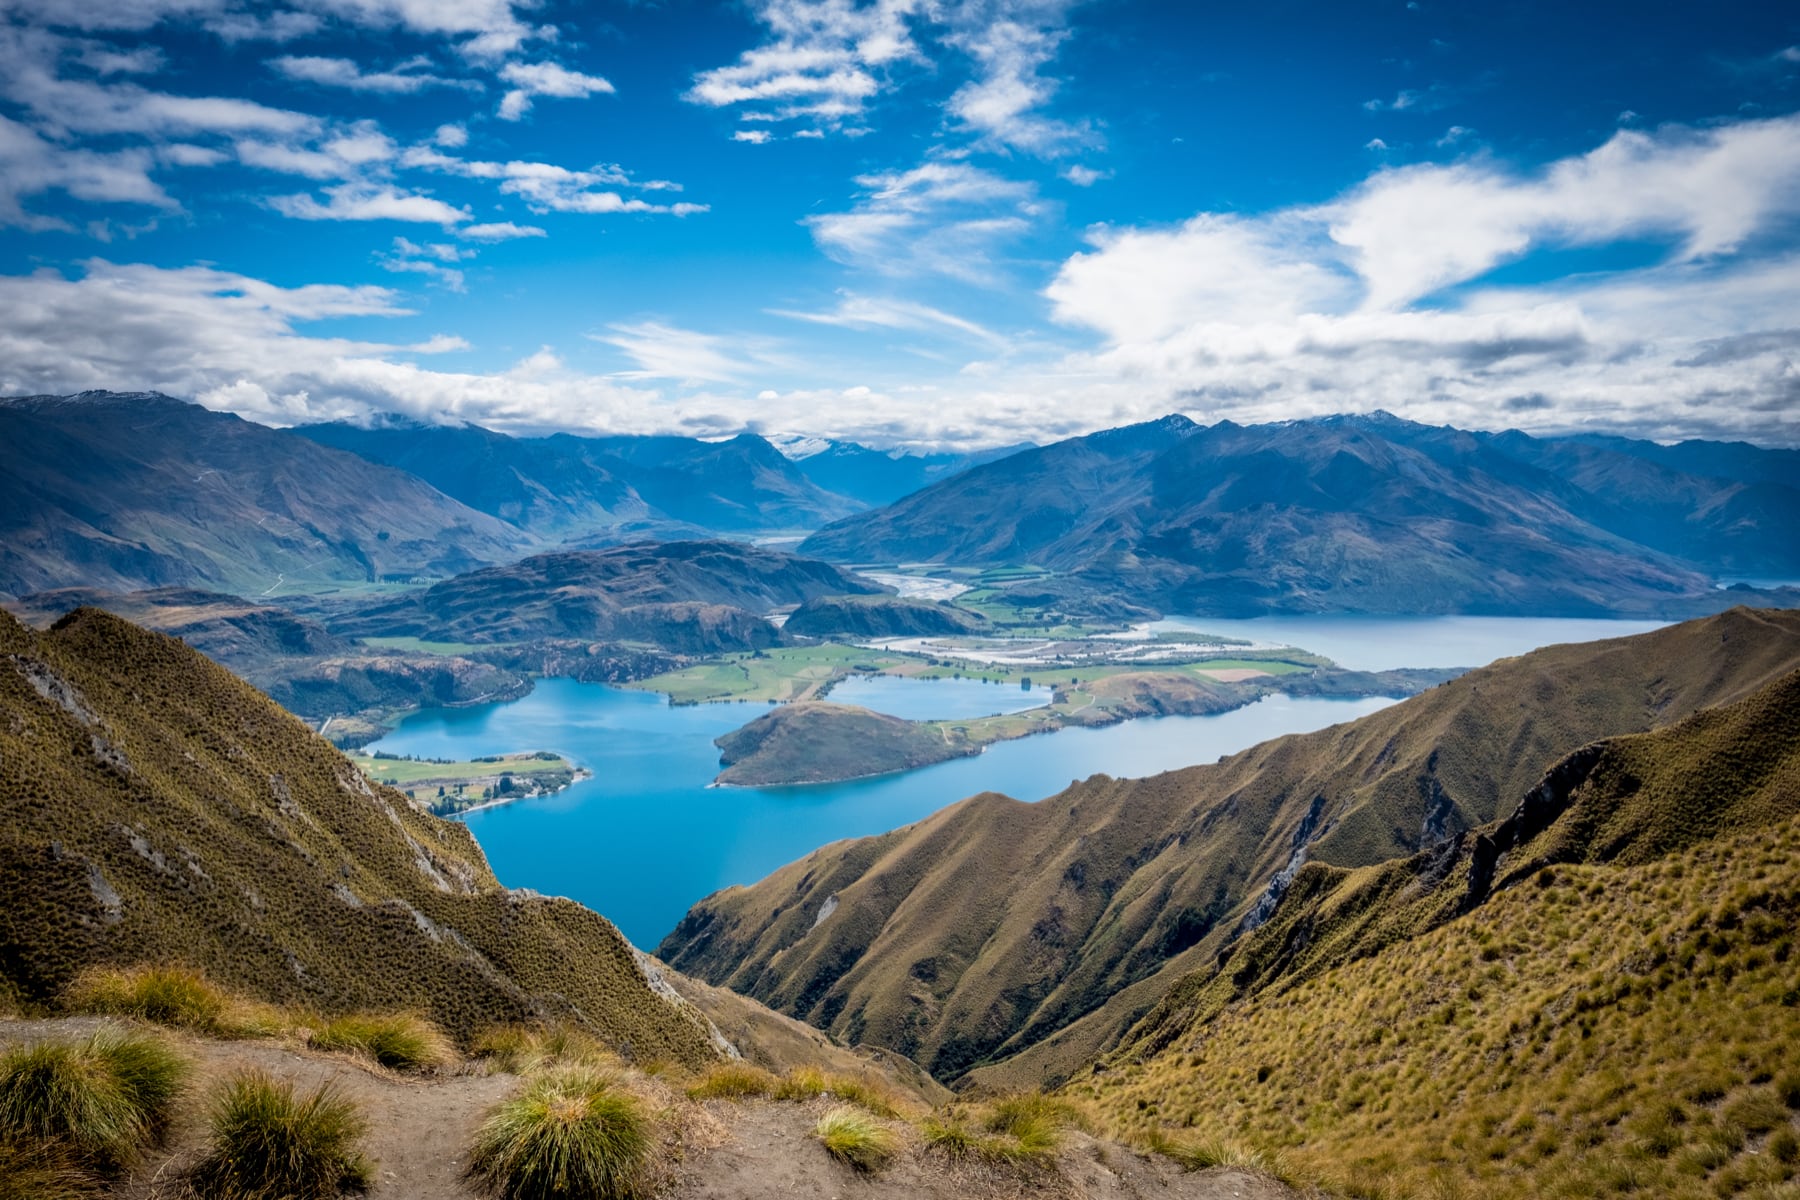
[420, 1129]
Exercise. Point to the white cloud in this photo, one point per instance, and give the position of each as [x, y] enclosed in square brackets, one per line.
[450, 137]
[1082, 176]
[30, 166]
[407, 78]
[755, 137]
[412, 258]
[498, 231]
[1312, 310]
[546, 187]
[940, 217]
[1412, 231]
[1010, 43]
[667, 352]
[367, 202]
[871, 312]
[343, 154]
[820, 65]
[545, 79]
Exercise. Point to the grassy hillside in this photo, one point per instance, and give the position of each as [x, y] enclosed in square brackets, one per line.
[690, 597]
[810, 742]
[1594, 996]
[1029, 937]
[154, 807]
[143, 491]
[1336, 514]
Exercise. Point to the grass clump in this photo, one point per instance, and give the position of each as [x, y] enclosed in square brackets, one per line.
[1200, 1154]
[570, 1133]
[810, 1083]
[171, 995]
[1022, 1130]
[856, 1138]
[521, 1049]
[398, 1041]
[267, 1144]
[733, 1081]
[105, 1097]
[33, 1170]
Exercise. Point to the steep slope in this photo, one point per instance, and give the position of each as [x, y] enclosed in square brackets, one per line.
[600, 490]
[154, 807]
[227, 629]
[1030, 936]
[553, 487]
[124, 492]
[1032, 506]
[737, 485]
[877, 477]
[1340, 514]
[1593, 995]
[683, 596]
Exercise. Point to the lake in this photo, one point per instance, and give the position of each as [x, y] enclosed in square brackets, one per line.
[646, 837]
[1384, 643]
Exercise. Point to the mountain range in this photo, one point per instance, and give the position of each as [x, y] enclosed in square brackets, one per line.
[1355, 514]
[124, 492]
[1007, 944]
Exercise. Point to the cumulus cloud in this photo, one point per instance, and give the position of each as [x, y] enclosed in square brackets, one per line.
[498, 231]
[1324, 308]
[545, 79]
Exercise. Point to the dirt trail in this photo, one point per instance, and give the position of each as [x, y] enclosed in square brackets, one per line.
[420, 1128]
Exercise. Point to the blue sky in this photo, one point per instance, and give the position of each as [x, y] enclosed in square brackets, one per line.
[930, 222]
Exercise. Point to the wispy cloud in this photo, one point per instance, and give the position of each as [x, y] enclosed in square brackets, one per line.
[364, 202]
[667, 352]
[871, 312]
[941, 217]
[405, 79]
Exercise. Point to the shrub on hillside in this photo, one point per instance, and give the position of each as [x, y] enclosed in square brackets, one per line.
[856, 1138]
[733, 1081]
[170, 995]
[569, 1133]
[398, 1041]
[269, 1145]
[106, 1097]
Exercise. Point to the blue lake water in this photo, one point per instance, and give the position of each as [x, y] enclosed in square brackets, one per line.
[937, 699]
[646, 837]
[1385, 643]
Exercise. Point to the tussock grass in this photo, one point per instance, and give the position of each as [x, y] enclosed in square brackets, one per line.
[106, 1097]
[33, 1170]
[733, 1081]
[267, 1144]
[810, 1083]
[175, 996]
[570, 1133]
[522, 1049]
[1608, 1029]
[1022, 1129]
[856, 1138]
[398, 1041]
[1200, 1154]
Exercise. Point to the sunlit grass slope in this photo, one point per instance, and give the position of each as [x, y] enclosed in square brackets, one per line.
[153, 808]
[1014, 942]
[1597, 996]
